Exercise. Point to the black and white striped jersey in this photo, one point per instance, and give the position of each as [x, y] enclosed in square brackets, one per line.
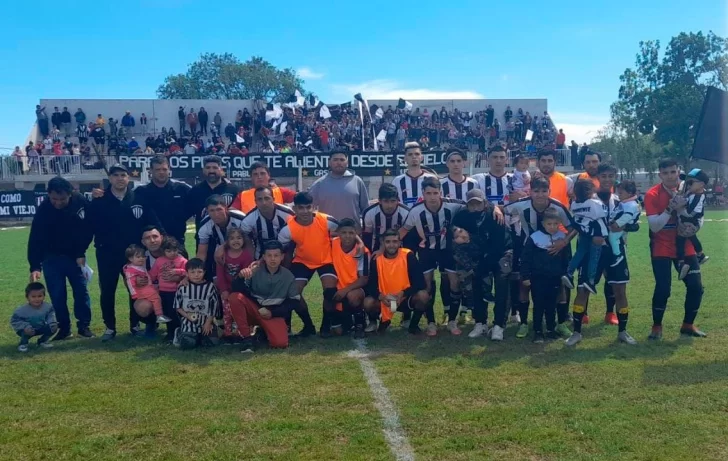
[262, 230]
[495, 188]
[375, 222]
[433, 227]
[457, 190]
[198, 301]
[212, 235]
[409, 189]
[591, 217]
[530, 219]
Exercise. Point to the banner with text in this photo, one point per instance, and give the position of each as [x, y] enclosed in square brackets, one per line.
[19, 203]
[286, 165]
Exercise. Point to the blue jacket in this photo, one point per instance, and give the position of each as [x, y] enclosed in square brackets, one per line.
[127, 120]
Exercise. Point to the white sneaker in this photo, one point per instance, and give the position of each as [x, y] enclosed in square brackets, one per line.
[175, 341]
[23, 348]
[163, 319]
[46, 345]
[497, 333]
[431, 329]
[372, 327]
[516, 318]
[403, 324]
[625, 337]
[452, 327]
[573, 340]
[478, 330]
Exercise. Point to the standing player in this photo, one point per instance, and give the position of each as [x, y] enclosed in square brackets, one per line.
[409, 183]
[213, 231]
[309, 231]
[662, 205]
[386, 214]
[260, 176]
[265, 221]
[617, 275]
[432, 219]
[456, 185]
[496, 183]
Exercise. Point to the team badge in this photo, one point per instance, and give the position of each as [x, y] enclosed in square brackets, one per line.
[137, 211]
[81, 213]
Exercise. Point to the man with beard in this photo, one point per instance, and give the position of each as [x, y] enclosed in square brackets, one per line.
[340, 194]
[617, 275]
[260, 176]
[590, 162]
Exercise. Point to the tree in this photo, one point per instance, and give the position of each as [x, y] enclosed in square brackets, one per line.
[223, 76]
[664, 97]
[630, 152]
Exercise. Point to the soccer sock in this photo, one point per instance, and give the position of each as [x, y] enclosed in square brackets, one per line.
[454, 306]
[430, 313]
[562, 312]
[359, 318]
[523, 312]
[622, 317]
[611, 302]
[445, 293]
[416, 316]
[578, 315]
[305, 317]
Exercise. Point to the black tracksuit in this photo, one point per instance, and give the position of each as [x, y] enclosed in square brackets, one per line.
[116, 224]
[544, 271]
[199, 194]
[169, 204]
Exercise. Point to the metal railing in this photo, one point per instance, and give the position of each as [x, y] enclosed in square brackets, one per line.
[12, 167]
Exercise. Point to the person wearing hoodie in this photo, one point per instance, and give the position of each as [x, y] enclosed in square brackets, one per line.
[340, 194]
[128, 122]
[80, 117]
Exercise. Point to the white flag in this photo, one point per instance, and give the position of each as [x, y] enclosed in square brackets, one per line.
[382, 136]
[299, 99]
[308, 143]
[239, 139]
[282, 128]
[379, 113]
[273, 114]
[529, 135]
[325, 113]
[407, 106]
[272, 148]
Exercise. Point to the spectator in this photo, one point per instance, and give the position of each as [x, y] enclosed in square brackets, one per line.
[560, 139]
[113, 127]
[19, 155]
[230, 133]
[100, 121]
[99, 135]
[192, 121]
[489, 116]
[190, 149]
[508, 114]
[217, 121]
[181, 117]
[133, 144]
[203, 118]
[402, 137]
[42, 120]
[143, 124]
[56, 118]
[80, 117]
[128, 122]
[66, 122]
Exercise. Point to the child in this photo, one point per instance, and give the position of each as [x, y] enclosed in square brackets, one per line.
[236, 258]
[589, 214]
[521, 176]
[542, 272]
[136, 267]
[627, 213]
[691, 219]
[196, 303]
[35, 318]
[167, 271]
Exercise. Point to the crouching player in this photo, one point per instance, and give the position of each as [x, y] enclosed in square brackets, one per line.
[351, 263]
[395, 282]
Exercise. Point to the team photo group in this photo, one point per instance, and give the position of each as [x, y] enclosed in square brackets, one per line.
[502, 239]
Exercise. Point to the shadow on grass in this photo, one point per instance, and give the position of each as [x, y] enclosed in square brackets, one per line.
[685, 374]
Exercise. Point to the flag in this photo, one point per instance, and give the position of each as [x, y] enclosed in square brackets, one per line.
[529, 135]
[308, 143]
[324, 112]
[272, 148]
[406, 105]
[282, 127]
[379, 113]
[239, 139]
[299, 98]
[313, 101]
[382, 136]
[274, 113]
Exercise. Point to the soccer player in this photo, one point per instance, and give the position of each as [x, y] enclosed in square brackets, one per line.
[496, 183]
[260, 176]
[395, 281]
[264, 222]
[409, 183]
[530, 213]
[662, 204]
[432, 219]
[617, 275]
[309, 231]
[214, 227]
[456, 185]
[351, 263]
[386, 214]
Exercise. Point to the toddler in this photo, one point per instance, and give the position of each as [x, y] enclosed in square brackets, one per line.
[196, 303]
[35, 318]
[167, 271]
[521, 176]
[136, 268]
[690, 219]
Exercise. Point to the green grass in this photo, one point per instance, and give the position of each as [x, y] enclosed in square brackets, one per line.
[458, 399]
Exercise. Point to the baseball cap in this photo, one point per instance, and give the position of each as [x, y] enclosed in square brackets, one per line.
[699, 174]
[118, 167]
[475, 194]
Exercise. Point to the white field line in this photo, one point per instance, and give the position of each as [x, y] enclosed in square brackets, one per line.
[393, 433]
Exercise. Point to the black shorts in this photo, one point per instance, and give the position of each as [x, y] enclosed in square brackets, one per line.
[303, 272]
[432, 259]
[616, 275]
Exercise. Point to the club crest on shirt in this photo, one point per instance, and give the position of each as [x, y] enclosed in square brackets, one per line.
[137, 211]
[81, 213]
[228, 198]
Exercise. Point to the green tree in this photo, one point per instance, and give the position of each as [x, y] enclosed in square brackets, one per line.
[663, 96]
[630, 152]
[223, 76]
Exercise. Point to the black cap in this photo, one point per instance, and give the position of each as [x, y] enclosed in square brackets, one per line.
[118, 167]
[699, 174]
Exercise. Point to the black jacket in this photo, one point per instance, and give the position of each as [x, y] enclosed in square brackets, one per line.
[493, 239]
[169, 204]
[56, 118]
[65, 117]
[230, 131]
[203, 117]
[116, 224]
[54, 232]
[537, 262]
[200, 192]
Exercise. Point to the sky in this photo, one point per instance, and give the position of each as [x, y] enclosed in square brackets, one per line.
[571, 53]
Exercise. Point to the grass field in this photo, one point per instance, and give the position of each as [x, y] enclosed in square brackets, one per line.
[458, 399]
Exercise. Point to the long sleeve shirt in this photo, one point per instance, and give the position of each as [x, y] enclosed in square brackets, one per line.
[28, 316]
[268, 289]
[176, 266]
[414, 273]
[54, 232]
[228, 271]
[131, 273]
[536, 260]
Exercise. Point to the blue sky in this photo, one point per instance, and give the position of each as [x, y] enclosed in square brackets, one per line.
[572, 53]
